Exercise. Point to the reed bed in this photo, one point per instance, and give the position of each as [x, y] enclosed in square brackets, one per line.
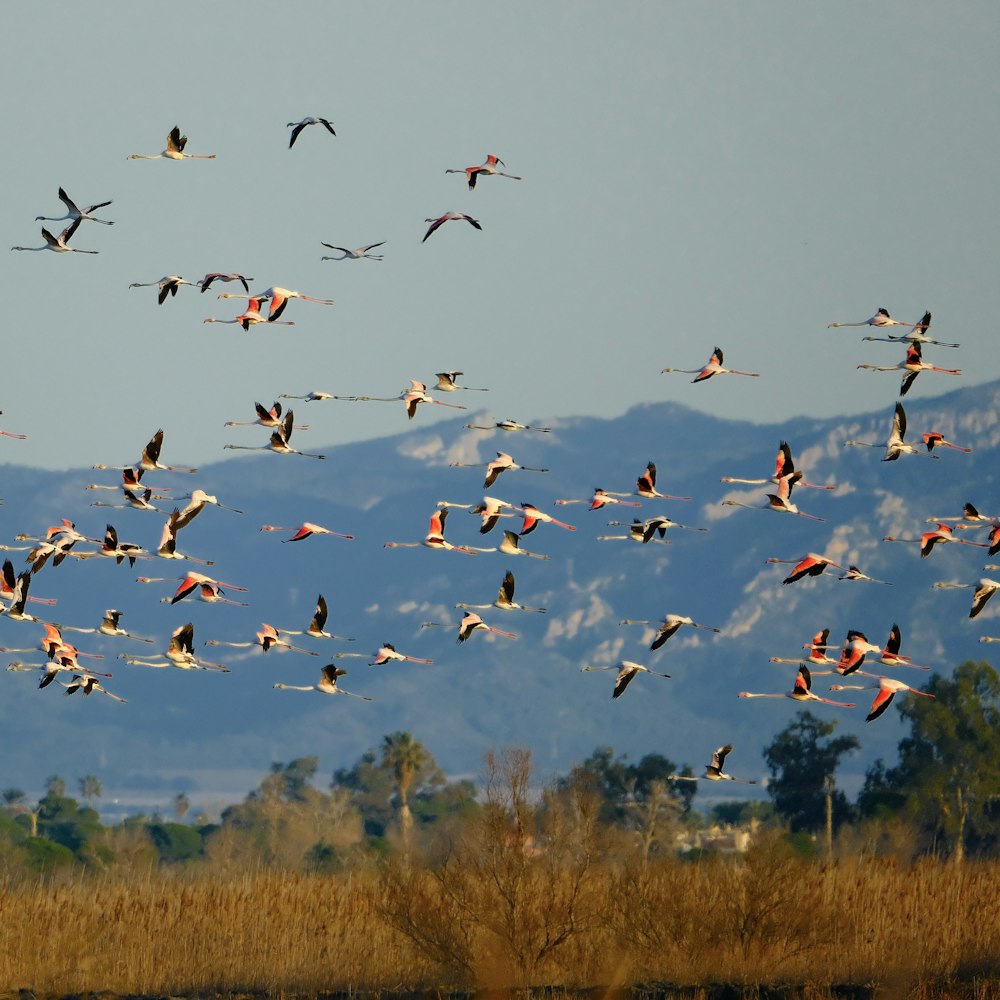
[762, 924]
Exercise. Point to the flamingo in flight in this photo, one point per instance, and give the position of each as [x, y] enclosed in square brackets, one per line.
[780, 501]
[448, 382]
[602, 498]
[175, 149]
[627, 669]
[470, 623]
[486, 169]
[213, 276]
[305, 530]
[267, 638]
[853, 573]
[712, 367]
[969, 513]
[359, 254]
[645, 486]
[912, 365]
[818, 656]
[109, 626]
[508, 425]
[87, 683]
[11, 434]
[784, 468]
[250, 318]
[449, 217]
[411, 398]
[167, 285]
[434, 539]
[19, 597]
[935, 439]
[317, 396]
[931, 538]
[317, 625]
[279, 441]
[278, 297]
[670, 626]
[811, 564]
[168, 541]
[60, 243]
[984, 590]
[505, 599]
[197, 502]
[918, 334]
[112, 548]
[533, 517]
[637, 533]
[74, 213]
[387, 651]
[502, 463]
[881, 318]
[150, 458]
[891, 655]
[8, 581]
[180, 654]
[714, 771]
[189, 584]
[327, 683]
[801, 691]
[297, 127]
[896, 445]
[888, 688]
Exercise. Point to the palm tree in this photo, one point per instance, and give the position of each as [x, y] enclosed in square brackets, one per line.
[90, 789]
[405, 757]
[55, 785]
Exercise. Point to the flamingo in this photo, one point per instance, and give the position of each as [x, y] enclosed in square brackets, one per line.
[511, 546]
[109, 626]
[490, 510]
[180, 654]
[11, 434]
[853, 573]
[627, 669]
[60, 243]
[411, 398]
[888, 688]
[896, 445]
[984, 590]
[189, 583]
[912, 365]
[214, 276]
[671, 624]
[712, 367]
[714, 771]
[856, 648]
[935, 439]
[881, 318]
[800, 692]
[87, 684]
[918, 334]
[448, 217]
[327, 683]
[167, 285]
[135, 501]
[602, 498]
[645, 486]
[637, 533]
[198, 500]
[448, 382]
[505, 599]
[508, 425]
[891, 655]
[784, 468]
[250, 318]
[305, 530]
[502, 463]
[168, 541]
[8, 581]
[279, 298]
[297, 127]
[434, 539]
[811, 564]
[387, 651]
[267, 638]
[488, 168]
[780, 501]
[471, 622]
[533, 517]
[74, 213]
[112, 548]
[361, 252]
[317, 624]
[175, 149]
[969, 513]
[150, 458]
[279, 442]
[818, 656]
[931, 538]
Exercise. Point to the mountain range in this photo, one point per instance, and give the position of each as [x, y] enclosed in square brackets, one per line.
[214, 735]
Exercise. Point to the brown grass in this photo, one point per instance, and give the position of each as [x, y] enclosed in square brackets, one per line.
[927, 931]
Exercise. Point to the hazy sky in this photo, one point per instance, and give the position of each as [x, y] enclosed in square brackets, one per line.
[694, 175]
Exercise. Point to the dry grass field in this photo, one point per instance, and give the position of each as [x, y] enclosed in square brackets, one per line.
[512, 919]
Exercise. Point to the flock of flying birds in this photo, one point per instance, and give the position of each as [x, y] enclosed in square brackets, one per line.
[62, 541]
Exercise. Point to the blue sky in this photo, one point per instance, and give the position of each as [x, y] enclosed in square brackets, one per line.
[694, 175]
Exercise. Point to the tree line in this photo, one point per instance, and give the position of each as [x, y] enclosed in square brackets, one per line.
[941, 797]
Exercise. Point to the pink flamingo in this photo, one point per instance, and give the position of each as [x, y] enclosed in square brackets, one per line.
[896, 445]
[387, 651]
[486, 169]
[811, 564]
[471, 622]
[533, 517]
[449, 217]
[434, 539]
[712, 367]
[327, 683]
[912, 365]
[881, 318]
[784, 468]
[175, 149]
[929, 539]
[279, 298]
[502, 463]
[780, 501]
[305, 530]
[888, 688]
[800, 692]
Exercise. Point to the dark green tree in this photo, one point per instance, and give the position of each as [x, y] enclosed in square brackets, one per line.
[55, 785]
[947, 780]
[802, 759]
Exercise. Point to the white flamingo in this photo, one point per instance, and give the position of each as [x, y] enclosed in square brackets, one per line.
[73, 212]
[327, 683]
[175, 149]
